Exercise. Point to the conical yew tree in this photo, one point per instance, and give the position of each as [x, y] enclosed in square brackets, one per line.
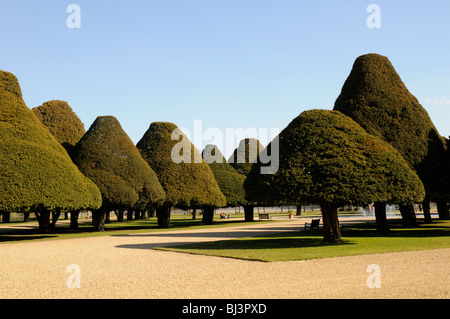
[328, 159]
[231, 183]
[444, 201]
[59, 118]
[37, 173]
[62, 122]
[242, 160]
[185, 176]
[110, 159]
[245, 155]
[376, 98]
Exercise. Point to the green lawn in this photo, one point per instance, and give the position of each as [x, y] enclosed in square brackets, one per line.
[303, 245]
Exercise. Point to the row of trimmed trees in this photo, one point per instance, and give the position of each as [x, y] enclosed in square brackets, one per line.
[36, 173]
[377, 146]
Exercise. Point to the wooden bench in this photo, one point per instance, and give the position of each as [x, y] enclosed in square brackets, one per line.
[314, 224]
[264, 216]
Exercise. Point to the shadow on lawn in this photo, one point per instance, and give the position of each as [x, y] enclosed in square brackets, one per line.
[235, 233]
[436, 229]
[290, 240]
[16, 233]
[271, 241]
[16, 238]
[299, 238]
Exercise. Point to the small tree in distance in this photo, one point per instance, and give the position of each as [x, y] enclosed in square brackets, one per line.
[242, 160]
[328, 159]
[231, 183]
[245, 155]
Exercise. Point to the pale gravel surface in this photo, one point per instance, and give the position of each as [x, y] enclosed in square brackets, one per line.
[127, 267]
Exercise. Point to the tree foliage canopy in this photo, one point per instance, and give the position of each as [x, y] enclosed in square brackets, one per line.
[231, 183]
[108, 156]
[446, 175]
[36, 170]
[245, 155]
[61, 121]
[377, 99]
[186, 178]
[328, 159]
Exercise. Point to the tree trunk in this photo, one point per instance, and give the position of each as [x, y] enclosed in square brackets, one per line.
[107, 217]
[163, 214]
[152, 213]
[408, 216]
[443, 211]
[380, 216]
[331, 228]
[299, 210]
[43, 217]
[427, 212]
[6, 217]
[119, 214]
[248, 213]
[55, 217]
[26, 217]
[98, 219]
[74, 219]
[208, 215]
[129, 214]
[194, 213]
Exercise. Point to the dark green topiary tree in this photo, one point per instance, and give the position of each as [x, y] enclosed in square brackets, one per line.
[110, 159]
[66, 126]
[61, 121]
[377, 99]
[37, 174]
[231, 183]
[444, 199]
[328, 159]
[242, 160]
[185, 176]
[245, 155]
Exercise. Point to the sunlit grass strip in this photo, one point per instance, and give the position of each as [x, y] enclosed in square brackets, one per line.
[357, 240]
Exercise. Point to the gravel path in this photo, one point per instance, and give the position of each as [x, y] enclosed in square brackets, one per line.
[126, 266]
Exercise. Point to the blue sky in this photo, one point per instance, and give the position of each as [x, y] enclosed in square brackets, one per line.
[232, 64]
